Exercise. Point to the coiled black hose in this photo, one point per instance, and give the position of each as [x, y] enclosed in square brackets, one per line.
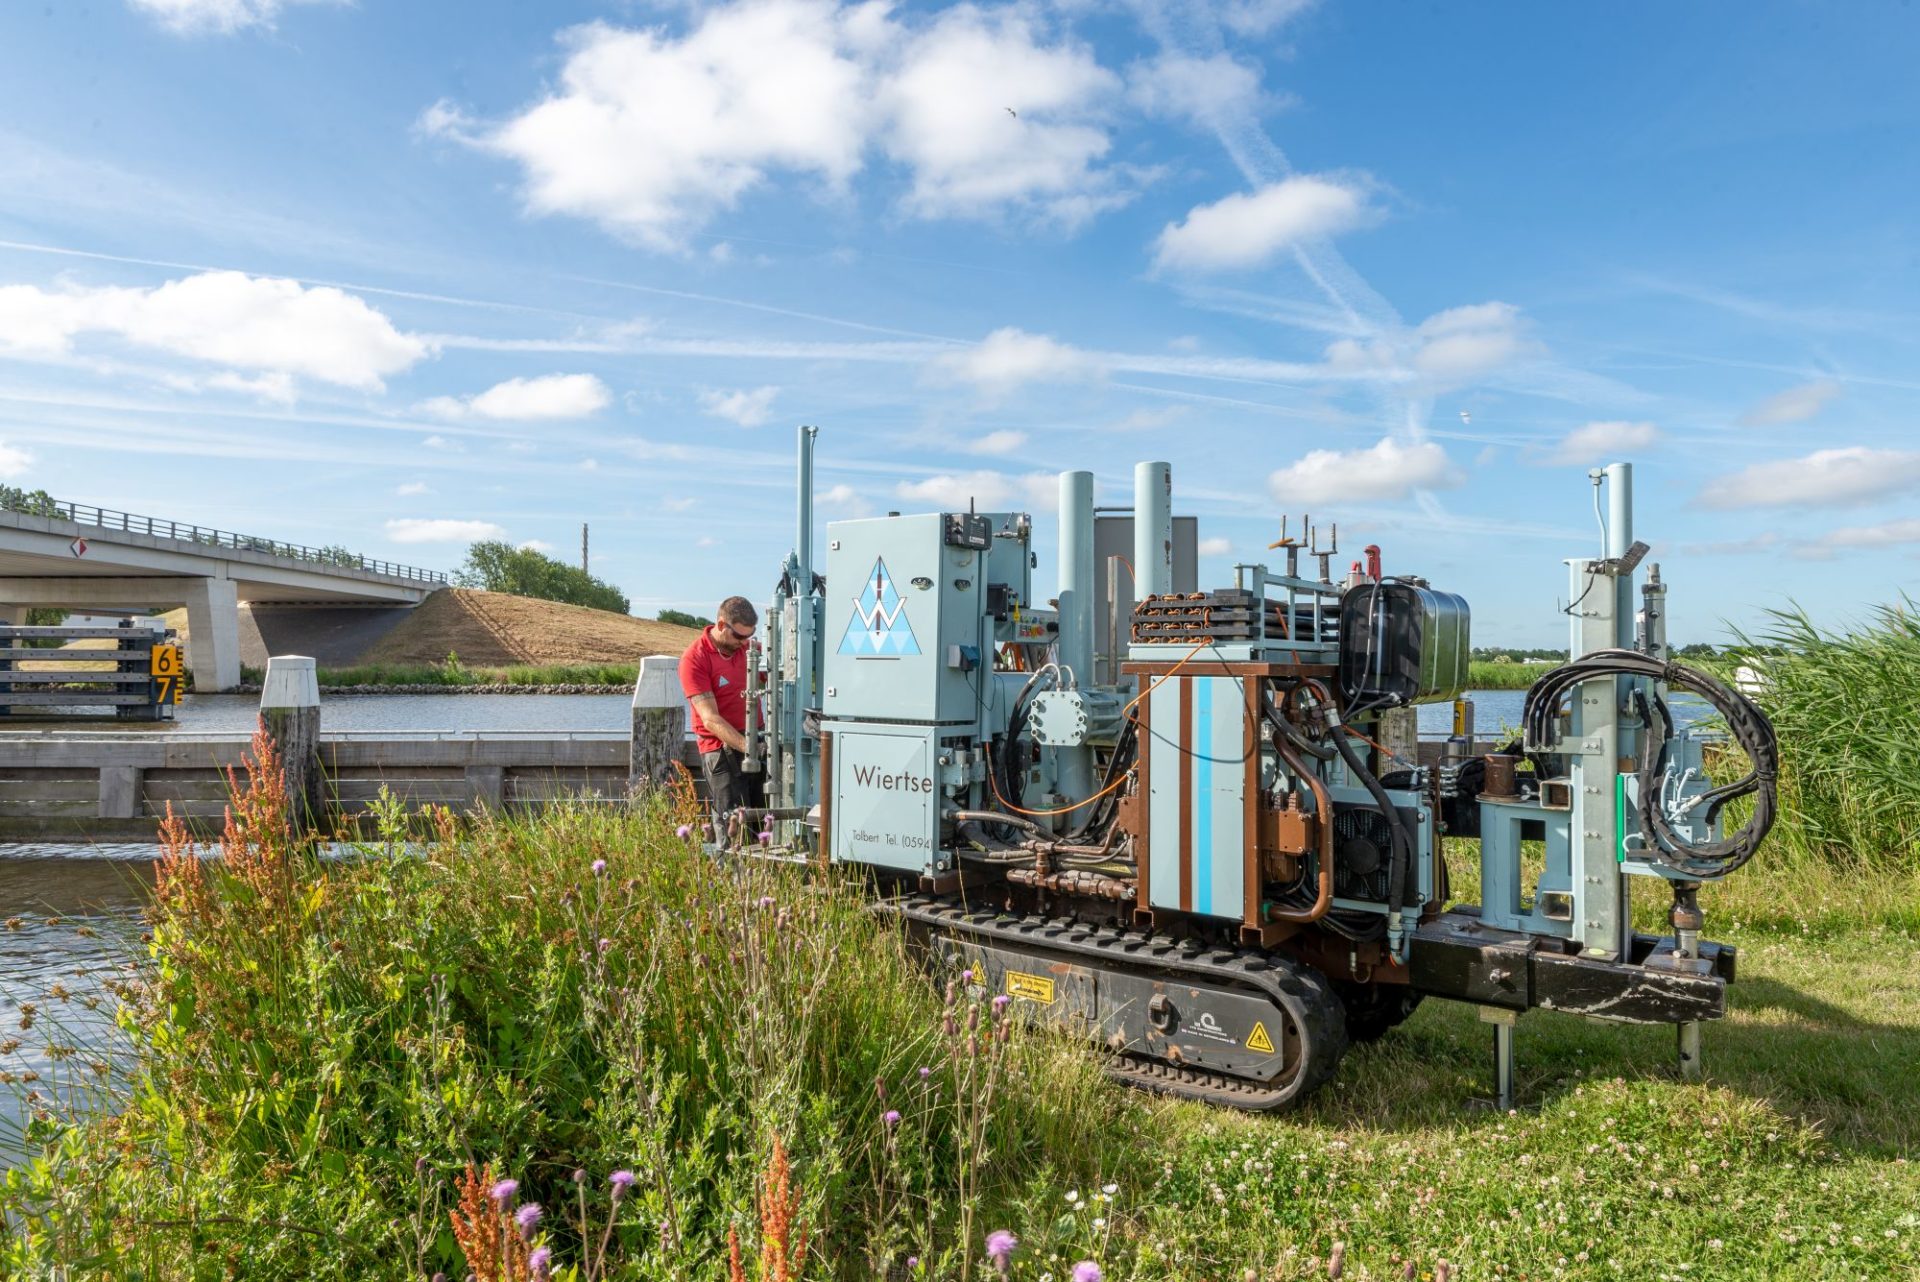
[1747, 724]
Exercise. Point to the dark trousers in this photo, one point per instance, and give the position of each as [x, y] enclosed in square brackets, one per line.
[728, 786]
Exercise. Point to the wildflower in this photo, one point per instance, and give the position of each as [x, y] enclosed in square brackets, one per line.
[539, 1261]
[766, 901]
[1000, 1247]
[1087, 1271]
[579, 1176]
[966, 977]
[605, 945]
[1109, 1189]
[1073, 1195]
[766, 838]
[526, 1217]
[621, 1181]
[880, 1087]
[913, 1262]
[599, 867]
[891, 1117]
[683, 831]
[419, 1166]
[1000, 1003]
[502, 1193]
[925, 1073]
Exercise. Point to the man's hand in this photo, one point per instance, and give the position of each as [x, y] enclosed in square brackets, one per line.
[716, 725]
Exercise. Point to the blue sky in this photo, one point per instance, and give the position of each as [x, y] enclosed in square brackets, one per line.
[392, 274]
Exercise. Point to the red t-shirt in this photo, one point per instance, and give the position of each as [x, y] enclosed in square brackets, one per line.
[704, 670]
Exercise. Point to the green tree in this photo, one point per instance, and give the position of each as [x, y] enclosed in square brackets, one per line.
[31, 502]
[500, 567]
[684, 619]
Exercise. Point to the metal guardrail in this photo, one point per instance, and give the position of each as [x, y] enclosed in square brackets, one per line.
[155, 527]
[140, 675]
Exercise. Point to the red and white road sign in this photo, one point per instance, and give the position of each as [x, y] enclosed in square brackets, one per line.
[79, 547]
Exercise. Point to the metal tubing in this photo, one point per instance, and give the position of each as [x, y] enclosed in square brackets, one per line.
[1619, 539]
[806, 609]
[1152, 529]
[1323, 815]
[1076, 576]
[1075, 765]
[1688, 1037]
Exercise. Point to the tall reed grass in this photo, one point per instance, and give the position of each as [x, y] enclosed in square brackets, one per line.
[1846, 708]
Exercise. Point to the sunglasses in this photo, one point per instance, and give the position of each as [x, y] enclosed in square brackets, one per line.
[738, 635]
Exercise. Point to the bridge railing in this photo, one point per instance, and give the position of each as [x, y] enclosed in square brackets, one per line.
[39, 503]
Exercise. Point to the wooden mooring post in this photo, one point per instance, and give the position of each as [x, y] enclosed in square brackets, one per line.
[659, 725]
[290, 714]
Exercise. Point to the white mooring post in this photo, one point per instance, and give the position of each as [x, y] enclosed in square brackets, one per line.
[290, 714]
[659, 725]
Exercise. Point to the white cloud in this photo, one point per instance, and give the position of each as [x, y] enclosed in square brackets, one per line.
[1001, 442]
[437, 442]
[706, 541]
[534, 545]
[653, 132]
[1257, 17]
[1148, 420]
[650, 135]
[1009, 357]
[1593, 442]
[411, 489]
[1450, 347]
[1824, 478]
[748, 409]
[840, 496]
[1247, 229]
[989, 491]
[1386, 471]
[1205, 91]
[410, 529]
[14, 461]
[1215, 546]
[589, 465]
[221, 16]
[1795, 405]
[1884, 535]
[988, 116]
[224, 317]
[525, 400]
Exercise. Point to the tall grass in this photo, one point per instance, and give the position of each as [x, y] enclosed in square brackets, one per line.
[457, 675]
[1846, 708]
[370, 1067]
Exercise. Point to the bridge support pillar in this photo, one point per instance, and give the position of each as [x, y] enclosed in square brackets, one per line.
[213, 633]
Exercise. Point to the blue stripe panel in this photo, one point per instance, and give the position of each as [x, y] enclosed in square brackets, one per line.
[1203, 795]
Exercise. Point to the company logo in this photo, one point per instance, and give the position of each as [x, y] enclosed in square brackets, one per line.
[879, 627]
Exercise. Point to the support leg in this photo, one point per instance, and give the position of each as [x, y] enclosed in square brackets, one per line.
[213, 634]
[1503, 1022]
[1689, 1040]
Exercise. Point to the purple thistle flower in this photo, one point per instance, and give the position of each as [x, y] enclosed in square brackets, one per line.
[683, 831]
[502, 1193]
[526, 1217]
[891, 1116]
[925, 1073]
[1087, 1271]
[766, 838]
[540, 1260]
[621, 1181]
[579, 1176]
[1001, 1002]
[913, 1262]
[599, 867]
[1000, 1246]
[605, 944]
[966, 976]
[766, 901]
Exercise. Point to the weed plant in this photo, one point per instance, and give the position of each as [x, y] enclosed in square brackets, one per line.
[571, 1045]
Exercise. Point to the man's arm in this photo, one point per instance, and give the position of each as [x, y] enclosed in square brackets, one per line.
[716, 725]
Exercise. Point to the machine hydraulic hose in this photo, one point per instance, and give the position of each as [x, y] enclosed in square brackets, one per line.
[1746, 723]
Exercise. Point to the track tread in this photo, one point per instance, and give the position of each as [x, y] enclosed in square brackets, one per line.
[1298, 989]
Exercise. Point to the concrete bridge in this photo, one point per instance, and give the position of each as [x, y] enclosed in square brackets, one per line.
[75, 557]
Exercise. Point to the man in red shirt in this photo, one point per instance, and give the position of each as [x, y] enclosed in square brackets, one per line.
[713, 676]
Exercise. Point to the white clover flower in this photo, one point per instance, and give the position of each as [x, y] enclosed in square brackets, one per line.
[1110, 1189]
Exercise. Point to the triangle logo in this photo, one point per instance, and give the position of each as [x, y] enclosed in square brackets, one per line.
[879, 628]
[1258, 1040]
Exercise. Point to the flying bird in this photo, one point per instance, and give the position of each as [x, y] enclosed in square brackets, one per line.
[1466, 417]
[1013, 113]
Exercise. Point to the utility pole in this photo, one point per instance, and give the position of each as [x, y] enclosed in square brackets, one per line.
[583, 547]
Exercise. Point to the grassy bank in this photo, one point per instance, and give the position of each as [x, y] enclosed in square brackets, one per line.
[1505, 676]
[459, 676]
[327, 1049]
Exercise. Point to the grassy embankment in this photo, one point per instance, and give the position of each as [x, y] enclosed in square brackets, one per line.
[326, 1048]
[460, 676]
[1505, 676]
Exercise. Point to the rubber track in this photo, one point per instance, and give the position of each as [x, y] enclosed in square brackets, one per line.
[1301, 992]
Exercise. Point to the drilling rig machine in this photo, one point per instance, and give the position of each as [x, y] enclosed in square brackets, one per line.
[1212, 865]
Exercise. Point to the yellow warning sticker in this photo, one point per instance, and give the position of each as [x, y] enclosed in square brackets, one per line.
[1035, 988]
[1258, 1040]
